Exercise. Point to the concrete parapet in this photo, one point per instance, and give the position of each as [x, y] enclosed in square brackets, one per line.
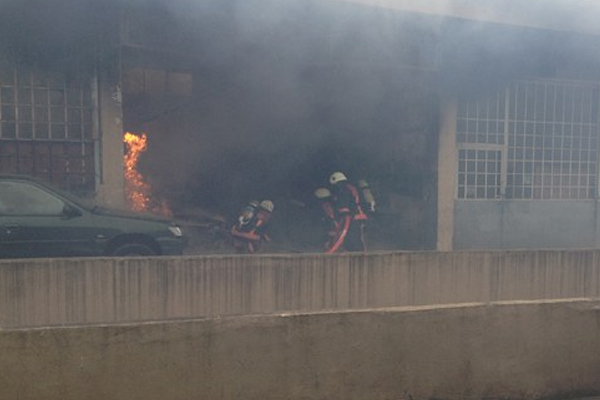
[509, 350]
[49, 292]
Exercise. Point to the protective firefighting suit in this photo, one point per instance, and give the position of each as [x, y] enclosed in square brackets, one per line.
[350, 217]
[250, 231]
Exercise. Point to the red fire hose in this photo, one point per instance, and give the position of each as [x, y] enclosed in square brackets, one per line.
[341, 234]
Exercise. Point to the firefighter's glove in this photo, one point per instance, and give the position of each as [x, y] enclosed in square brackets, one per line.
[372, 206]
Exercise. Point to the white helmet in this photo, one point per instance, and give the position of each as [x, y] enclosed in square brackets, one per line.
[267, 205]
[337, 177]
[322, 193]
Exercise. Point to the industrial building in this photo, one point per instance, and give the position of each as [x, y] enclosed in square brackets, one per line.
[475, 123]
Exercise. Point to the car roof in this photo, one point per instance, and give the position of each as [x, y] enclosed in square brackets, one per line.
[49, 186]
[20, 176]
[29, 178]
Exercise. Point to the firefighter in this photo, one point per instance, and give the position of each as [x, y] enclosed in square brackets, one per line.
[250, 231]
[350, 217]
[325, 201]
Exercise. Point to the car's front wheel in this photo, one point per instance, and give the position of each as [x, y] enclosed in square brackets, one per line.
[133, 249]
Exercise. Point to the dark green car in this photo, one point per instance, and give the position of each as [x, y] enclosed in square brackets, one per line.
[37, 220]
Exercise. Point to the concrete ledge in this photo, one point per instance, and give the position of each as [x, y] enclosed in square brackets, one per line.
[522, 350]
[92, 291]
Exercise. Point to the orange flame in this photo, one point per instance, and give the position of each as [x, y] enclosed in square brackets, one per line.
[139, 192]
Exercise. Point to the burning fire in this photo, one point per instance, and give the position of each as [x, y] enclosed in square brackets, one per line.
[139, 192]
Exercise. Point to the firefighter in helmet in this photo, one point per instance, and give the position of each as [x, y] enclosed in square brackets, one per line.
[350, 216]
[250, 231]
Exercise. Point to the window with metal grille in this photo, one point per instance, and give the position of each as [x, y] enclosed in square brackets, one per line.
[542, 137]
[46, 127]
[478, 174]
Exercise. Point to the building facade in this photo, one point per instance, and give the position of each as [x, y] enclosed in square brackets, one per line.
[477, 125]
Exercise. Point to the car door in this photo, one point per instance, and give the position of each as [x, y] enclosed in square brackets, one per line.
[35, 222]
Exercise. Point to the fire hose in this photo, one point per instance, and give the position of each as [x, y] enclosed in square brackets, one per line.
[341, 233]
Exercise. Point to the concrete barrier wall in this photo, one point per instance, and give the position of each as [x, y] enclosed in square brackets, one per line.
[527, 350]
[80, 291]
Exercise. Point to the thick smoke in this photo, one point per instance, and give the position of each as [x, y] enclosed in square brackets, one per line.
[57, 35]
[286, 92]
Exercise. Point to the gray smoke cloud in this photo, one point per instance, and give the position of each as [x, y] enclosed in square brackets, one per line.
[289, 91]
[286, 92]
[300, 82]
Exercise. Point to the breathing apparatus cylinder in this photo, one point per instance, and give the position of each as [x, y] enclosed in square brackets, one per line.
[367, 195]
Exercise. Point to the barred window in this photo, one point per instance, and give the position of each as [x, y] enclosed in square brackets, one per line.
[544, 135]
[34, 106]
[482, 122]
[478, 174]
[46, 126]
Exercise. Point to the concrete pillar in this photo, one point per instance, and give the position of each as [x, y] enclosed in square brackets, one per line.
[446, 175]
[111, 186]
